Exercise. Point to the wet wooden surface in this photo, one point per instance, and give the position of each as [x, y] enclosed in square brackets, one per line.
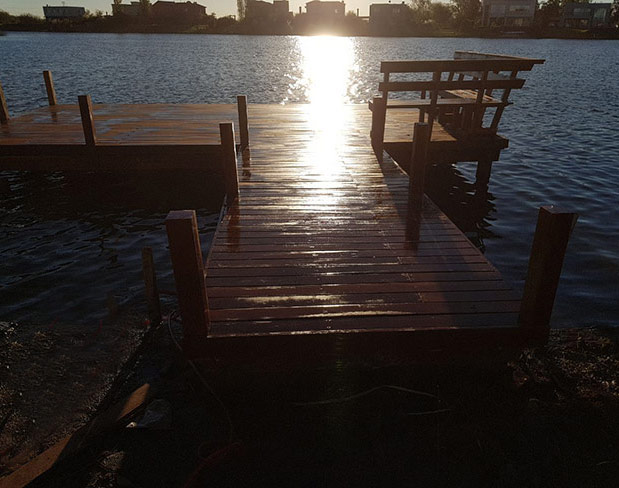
[316, 242]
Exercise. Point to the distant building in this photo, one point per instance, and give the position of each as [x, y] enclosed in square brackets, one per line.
[259, 10]
[508, 13]
[386, 16]
[586, 15]
[178, 12]
[62, 13]
[130, 9]
[325, 12]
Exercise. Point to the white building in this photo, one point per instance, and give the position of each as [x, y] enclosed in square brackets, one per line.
[509, 13]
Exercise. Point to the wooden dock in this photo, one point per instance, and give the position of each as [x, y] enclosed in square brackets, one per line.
[314, 257]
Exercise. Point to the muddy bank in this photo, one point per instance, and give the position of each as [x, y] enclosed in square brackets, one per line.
[54, 377]
[551, 418]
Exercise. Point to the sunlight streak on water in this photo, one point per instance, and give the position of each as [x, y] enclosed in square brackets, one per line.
[327, 66]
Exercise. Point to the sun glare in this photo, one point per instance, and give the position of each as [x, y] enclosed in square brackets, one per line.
[327, 66]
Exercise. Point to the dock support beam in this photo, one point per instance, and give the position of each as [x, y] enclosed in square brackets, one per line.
[241, 103]
[88, 123]
[49, 87]
[482, 175]
[188, 265]
[228, 150]
[4, 109]
[552, 234]
[150, 285]
[377, 135]
[416, 179]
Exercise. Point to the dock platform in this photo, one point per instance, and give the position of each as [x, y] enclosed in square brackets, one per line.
[313, 258]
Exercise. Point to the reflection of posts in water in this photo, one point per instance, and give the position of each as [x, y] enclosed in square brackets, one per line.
[241, 102]
[228, 158]
[552, 234]
[4, 109]
[416, 180]
[49, 87]
[188, 265]
[88, 123]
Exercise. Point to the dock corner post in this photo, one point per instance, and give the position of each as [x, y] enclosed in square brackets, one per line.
[150, 285]
[188, 267]
[4, 109]
[552, 234]
[377, 135]
[49, 87]
[228, 149]
[241, 102]
[88, 123]
[416, 179]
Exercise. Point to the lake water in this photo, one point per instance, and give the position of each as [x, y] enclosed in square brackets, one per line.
[68, 242]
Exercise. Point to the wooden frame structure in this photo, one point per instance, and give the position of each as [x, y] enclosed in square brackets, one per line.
[456, 94]
[114, 138]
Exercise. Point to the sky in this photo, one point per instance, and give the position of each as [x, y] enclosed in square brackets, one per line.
[219, 7]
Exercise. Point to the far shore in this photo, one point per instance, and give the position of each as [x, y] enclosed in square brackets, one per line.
[111, 28]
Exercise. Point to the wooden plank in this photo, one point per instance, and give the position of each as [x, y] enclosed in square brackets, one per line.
[459, 65]
[71, 445]
[398, 86]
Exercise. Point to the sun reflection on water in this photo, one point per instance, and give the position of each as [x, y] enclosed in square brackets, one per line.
[328, 64]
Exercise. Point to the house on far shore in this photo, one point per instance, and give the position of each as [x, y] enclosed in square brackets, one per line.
[325, 12]
[586, 15]
[129, 9]
[508, 13]
[63, 13]
[178, 12]
[385, 17]
[259, 10]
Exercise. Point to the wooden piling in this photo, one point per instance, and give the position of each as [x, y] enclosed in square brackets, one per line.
[482, 175]
[49, 87]
[88, 124]
[416, 179]
[552, 234]
[188, 264]
[4, 109]
[241, 102]
[377, 134]
[228, 148]
[150, 285]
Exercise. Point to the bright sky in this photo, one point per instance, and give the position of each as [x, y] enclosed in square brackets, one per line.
[219, 7]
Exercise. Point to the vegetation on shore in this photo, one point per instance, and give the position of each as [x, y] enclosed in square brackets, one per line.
[421, 18]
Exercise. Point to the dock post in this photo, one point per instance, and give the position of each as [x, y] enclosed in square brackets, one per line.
[150, 285]
[482, 175]
[49, 87]
[416, 179]
[228, 149]
[241, 102]
[552, 234]
[88, 123]
[188, 266]
[377, 135]
[4, 109]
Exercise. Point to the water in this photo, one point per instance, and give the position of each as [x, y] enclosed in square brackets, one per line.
[69, 242]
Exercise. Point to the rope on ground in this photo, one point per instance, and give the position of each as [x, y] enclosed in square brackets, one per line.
[365, 393]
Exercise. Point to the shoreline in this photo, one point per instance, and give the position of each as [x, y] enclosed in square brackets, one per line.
[567, 390]
[195, 30]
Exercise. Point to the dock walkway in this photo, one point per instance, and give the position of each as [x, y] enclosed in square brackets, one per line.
[316, 246]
